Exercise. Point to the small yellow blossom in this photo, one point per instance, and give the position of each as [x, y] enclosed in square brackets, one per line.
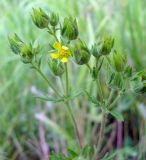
[63, 52]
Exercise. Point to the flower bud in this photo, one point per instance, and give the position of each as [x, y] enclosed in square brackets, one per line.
[116, 81]
[69, 29]
[56, 67]
[15, 43]
[119, 61]
[95, 50]
[128, 72]
[40, 18]
[26, 53]
[81, 53]
[107, 46]
[138, 82]
[54, 19]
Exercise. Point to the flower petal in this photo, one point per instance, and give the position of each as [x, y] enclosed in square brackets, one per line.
[55, 55]
[57, 45]
[65, 48]
[64, 59]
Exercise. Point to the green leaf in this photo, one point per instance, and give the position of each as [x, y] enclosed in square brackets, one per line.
[72, 153]
[87, 152]
[57, 157]
[74, 94]
[51, 99]
[109, 156]
[39, 61]
[117, 115]
[62, 99]
[92, 99]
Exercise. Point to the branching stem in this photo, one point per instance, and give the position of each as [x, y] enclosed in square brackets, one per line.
[47, 80]
[69, 108]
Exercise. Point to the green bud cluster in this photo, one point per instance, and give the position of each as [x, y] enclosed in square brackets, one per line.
[102, 48]
[81, 53]
[67, 44]
[42, 20]
[69, 29]
[25, 51]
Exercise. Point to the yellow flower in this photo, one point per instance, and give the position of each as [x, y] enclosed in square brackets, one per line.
[63, 52]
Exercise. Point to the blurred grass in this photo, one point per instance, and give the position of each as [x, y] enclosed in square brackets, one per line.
[124, 19]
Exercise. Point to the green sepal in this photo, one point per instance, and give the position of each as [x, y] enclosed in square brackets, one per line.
[40, 18]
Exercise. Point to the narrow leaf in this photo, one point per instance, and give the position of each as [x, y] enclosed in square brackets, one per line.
[92, 99]
[117, 115]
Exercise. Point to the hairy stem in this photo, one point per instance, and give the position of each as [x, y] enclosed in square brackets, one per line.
[69, 108]
[89, 67]
[110, 97]
[74, 124]
[99, 86]
[48, 81]
[67, 80]
[101, 135]
[53, 33]
[100, 89]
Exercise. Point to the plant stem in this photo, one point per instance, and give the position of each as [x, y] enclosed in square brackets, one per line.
[89, 67]
[60, 77]
[48, 81]
[103, 122]
[55, 37]
[100, 89]
[102, 125]
[110, 97]
[69, 108]
[119, 134]
[74, 124]
[98, 80]
[101, 135]
[53, 33]
[115, 100]
[67, 80]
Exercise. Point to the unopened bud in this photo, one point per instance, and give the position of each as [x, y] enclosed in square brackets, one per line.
[54, 19]
[119, 61]
[56, 66]
[15, 43]
[26, 53]
[107, 46]
[69, 29]
[95, 50]
[81, 53]
[40, 18]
